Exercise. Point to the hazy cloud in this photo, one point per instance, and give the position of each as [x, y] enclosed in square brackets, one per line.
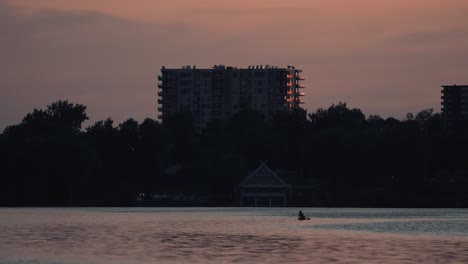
[102, 61]
[386, 59]
[425, 37]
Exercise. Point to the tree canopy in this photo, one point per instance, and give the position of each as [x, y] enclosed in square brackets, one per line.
[355, 161]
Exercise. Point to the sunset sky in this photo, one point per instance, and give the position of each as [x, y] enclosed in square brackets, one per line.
[385, 57]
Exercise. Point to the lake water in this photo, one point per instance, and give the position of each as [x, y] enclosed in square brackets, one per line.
[225, 235]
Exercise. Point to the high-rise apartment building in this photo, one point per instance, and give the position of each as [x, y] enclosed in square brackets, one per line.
[455, 106]
[222, 91]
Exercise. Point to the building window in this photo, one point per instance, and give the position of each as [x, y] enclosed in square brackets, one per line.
[259, 82]
[185, 74]
[259, 74]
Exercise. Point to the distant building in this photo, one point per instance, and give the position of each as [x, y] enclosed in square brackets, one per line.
[222, 91]
[263, 188]
[455, 106]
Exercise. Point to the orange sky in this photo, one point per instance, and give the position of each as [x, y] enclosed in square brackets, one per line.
[385, 57]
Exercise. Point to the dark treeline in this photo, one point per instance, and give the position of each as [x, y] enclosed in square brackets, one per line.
[332, 157]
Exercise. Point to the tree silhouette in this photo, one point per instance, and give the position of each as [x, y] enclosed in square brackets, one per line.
[349, 160]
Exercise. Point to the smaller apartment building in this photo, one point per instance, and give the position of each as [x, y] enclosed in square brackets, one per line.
[455, 106]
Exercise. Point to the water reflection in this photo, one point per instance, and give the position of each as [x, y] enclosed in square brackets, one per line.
[415, 227]
[228, 235]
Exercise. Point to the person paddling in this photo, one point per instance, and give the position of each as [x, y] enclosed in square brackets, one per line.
[301, 216]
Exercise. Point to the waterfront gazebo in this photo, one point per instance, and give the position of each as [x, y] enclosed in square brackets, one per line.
[263, 188]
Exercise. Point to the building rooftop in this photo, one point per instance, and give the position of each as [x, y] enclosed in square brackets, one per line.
[263, 176]
[455, 85]
[223, 67]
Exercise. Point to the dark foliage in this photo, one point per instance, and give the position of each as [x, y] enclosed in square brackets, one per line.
[344, 158]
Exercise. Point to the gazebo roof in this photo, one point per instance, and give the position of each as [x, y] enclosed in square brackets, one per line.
[263, 177]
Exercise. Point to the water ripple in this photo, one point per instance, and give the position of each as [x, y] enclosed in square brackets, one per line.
[92, 236]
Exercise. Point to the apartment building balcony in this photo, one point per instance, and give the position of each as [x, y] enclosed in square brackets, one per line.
[168, 93]
[164, 108]
[160, 116]
[301, 93]
[289, 84]
[160, 101]
[160, 85]
[159, 78]
[289, 92]
[300, 85]
[170, 85]
[289, 76]
[300, 77]
[301, 101]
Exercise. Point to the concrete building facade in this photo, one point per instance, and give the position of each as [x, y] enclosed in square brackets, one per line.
[222, 91]
[455, 106]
